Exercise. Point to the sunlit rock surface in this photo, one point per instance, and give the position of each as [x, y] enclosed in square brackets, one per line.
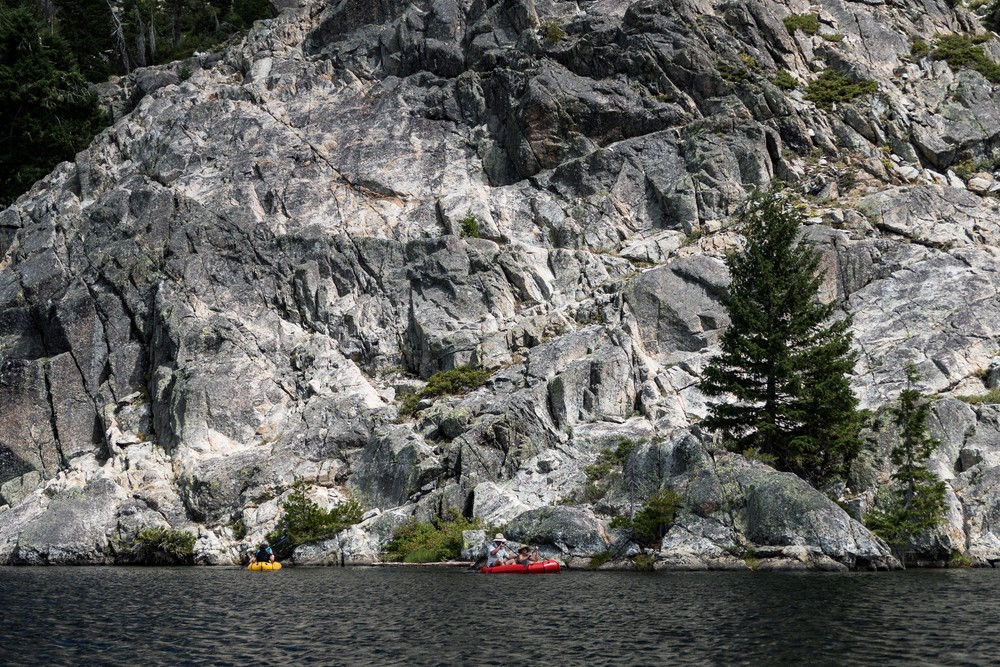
[231, 289]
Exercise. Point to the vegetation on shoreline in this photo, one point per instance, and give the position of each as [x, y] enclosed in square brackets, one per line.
[429, 542]
[157, 546]
[648, 526]
[303, 521]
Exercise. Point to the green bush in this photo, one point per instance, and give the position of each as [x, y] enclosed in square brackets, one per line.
[239, 529]
[966, 169]
[733, 74]
[807, 23]
[919, 48]
[643, 563]
[442, 383]
[429, 542]
[959, 560]
[846, 180]
[470, 225]
[652, 522]
[599, 560]
[610, 460]
[159, 546]
[408, 403]
[303, 521]
[784, 80]
[551, 32]
[834, 86]
[966, 52]
[457, 380]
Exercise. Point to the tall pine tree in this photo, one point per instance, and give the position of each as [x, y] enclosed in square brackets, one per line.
[781, 377]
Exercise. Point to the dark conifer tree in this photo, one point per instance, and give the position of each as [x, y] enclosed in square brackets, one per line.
[46, 112]
[781, 377]
[915, 501]
[87, 26]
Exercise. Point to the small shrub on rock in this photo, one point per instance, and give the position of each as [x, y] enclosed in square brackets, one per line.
[966, 52]
[733, 74]
[990, 397]
[834, 86]
[784, 80]
[551, 32]
[457, 380]
[239, 529]
[652, 522]
[807, 23]
[919, 48]
[605, 471]
[443, 383]
[469, 225]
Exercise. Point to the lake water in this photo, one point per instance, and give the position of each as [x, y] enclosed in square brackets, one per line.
[407, 616]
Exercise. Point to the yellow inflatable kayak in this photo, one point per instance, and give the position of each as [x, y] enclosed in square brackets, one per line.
[263, 567]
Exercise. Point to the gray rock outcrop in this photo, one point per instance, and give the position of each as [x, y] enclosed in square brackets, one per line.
[232, 289]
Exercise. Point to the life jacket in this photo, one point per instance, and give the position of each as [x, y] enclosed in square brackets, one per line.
[263, 555]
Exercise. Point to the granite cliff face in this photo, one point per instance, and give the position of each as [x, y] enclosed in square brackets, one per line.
[231, 289]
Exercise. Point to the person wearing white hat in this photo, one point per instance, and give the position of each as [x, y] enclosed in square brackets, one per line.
[498, 554]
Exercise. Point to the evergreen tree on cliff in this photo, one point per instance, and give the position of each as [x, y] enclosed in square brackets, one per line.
[87, 27]
[46, 112]
[915, 501]
[781, 377]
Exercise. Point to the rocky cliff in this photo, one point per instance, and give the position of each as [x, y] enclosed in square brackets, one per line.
[232, 288]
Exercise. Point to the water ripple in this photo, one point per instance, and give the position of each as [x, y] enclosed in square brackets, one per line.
[362, 616]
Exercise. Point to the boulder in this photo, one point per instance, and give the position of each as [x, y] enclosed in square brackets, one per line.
[572, 531]
[76, 527]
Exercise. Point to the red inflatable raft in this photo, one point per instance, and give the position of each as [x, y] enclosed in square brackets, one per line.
[541, 567]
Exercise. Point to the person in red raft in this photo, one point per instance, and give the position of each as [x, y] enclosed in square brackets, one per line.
[498, 553]
[524, 556]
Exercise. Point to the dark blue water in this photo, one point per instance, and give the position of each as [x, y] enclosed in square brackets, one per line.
[381, 616]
